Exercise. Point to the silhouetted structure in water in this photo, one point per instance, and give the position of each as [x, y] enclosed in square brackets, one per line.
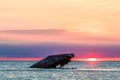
[53, 60]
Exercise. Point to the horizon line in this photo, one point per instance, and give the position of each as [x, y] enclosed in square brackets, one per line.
[73, 59]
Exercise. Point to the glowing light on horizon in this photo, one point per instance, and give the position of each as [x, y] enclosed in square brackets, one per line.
[91, 59]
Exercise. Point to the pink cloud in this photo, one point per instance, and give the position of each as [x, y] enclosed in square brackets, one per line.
[54, 35]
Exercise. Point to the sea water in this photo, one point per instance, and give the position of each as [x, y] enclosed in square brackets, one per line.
[19, 70]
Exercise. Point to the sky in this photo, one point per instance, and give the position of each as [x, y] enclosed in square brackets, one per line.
[74, 22]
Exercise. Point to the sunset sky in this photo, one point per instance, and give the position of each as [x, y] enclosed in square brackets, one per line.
[74, 22]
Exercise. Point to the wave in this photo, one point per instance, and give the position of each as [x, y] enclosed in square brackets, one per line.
[54, 69]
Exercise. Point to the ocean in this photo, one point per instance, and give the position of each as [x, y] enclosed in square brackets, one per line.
[19, 70]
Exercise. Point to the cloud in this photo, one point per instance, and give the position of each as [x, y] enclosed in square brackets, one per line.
[54, 36]
[33, 36]
[71, 21]
[43, 50]
[36, 32]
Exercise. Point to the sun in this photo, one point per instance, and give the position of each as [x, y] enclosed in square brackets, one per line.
[91, 59]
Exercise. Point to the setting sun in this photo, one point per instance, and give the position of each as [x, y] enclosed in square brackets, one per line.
[91, 59]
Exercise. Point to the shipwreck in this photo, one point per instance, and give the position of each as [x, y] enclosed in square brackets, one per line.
[53, 61]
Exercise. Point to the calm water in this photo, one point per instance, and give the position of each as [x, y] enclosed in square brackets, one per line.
[18, 70]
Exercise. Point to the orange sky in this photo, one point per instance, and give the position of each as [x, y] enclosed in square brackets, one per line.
[97, 59]
[82, 21]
